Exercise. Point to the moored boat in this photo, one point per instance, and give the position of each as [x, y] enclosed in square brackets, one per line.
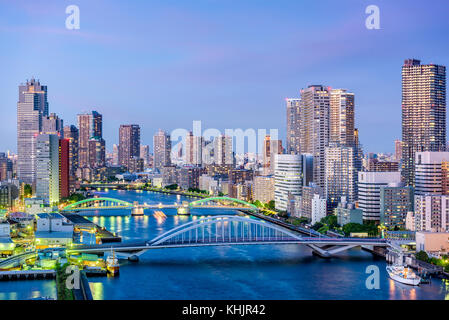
[403, 275]
[112, 264]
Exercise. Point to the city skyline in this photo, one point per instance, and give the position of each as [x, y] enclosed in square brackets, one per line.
[354, 67]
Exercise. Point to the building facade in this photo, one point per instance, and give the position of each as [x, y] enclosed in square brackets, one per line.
[31, 108]
[369, 186]
[287, 177]
[423, 112]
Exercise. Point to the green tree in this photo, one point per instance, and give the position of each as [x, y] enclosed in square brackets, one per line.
[270, 205]
[258, 204]
[27, 191]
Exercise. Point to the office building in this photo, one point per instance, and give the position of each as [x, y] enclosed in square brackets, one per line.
[52, 124]
[369, 186]
[31, 107]
[347, 212]
[431, 173]
[287, 177]
[47, 168]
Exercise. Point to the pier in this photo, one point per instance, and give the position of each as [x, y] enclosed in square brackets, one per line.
[27, 275]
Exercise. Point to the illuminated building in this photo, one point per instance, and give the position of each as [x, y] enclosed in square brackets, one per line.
[423, 112]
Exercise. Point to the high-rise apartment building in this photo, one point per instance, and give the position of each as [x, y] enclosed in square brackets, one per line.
[395, 203]
[264, 188]
[341, 175]
[47, 167]
[145, 154]
[271, 148]
[129, 144]
[314, 131]
[341, 117]
[64, 168]
[398, 150]
[423, 112]
[90, 126]
[161, 149]
[72, 135]
[31, 107]
[293, 126]
[194, 148]
[431, 213]
[223, 152]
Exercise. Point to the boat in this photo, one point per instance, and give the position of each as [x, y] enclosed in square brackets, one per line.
[112, 264]
[403, 275]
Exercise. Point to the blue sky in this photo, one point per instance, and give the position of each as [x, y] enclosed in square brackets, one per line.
[228, 63]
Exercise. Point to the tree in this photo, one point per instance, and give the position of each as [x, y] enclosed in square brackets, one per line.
[330, 221]
[258, 204]
[27, 191]
[270, 205]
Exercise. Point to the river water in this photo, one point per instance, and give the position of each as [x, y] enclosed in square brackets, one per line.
[236, 272]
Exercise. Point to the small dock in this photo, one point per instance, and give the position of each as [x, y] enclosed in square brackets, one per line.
[27, 275]
[82, 224]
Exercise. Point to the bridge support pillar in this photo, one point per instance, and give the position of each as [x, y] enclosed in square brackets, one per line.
[133, 258]
[137, 211]
[184, 210]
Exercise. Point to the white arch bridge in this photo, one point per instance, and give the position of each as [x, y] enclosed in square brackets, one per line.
[228, 230]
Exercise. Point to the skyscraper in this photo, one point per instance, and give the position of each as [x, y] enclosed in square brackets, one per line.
[47, 167]
[71, 134]
[90, 126]
[161, 149]
[341, 175]
[271, 148]
[31, 107]
[314, 132]
[398, 150]
[194, 147]
[223, 153]
[64, 168]
[341, 117]
[129, 144]
[145, 154]
[52, 124]
[293, 126]
[423, 112]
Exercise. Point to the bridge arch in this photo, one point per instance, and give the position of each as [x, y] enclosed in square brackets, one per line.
[87, 204]
[197, 202]
[225, 229]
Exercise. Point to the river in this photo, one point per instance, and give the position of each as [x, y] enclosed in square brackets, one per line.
[256, 272]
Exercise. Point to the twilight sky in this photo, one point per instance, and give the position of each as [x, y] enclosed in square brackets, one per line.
[228, 63]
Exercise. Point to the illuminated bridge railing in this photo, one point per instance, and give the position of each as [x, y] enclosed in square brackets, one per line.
[98, 203]
[224, 229]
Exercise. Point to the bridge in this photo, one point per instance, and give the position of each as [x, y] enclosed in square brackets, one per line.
[103, 203]
[228, 230]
